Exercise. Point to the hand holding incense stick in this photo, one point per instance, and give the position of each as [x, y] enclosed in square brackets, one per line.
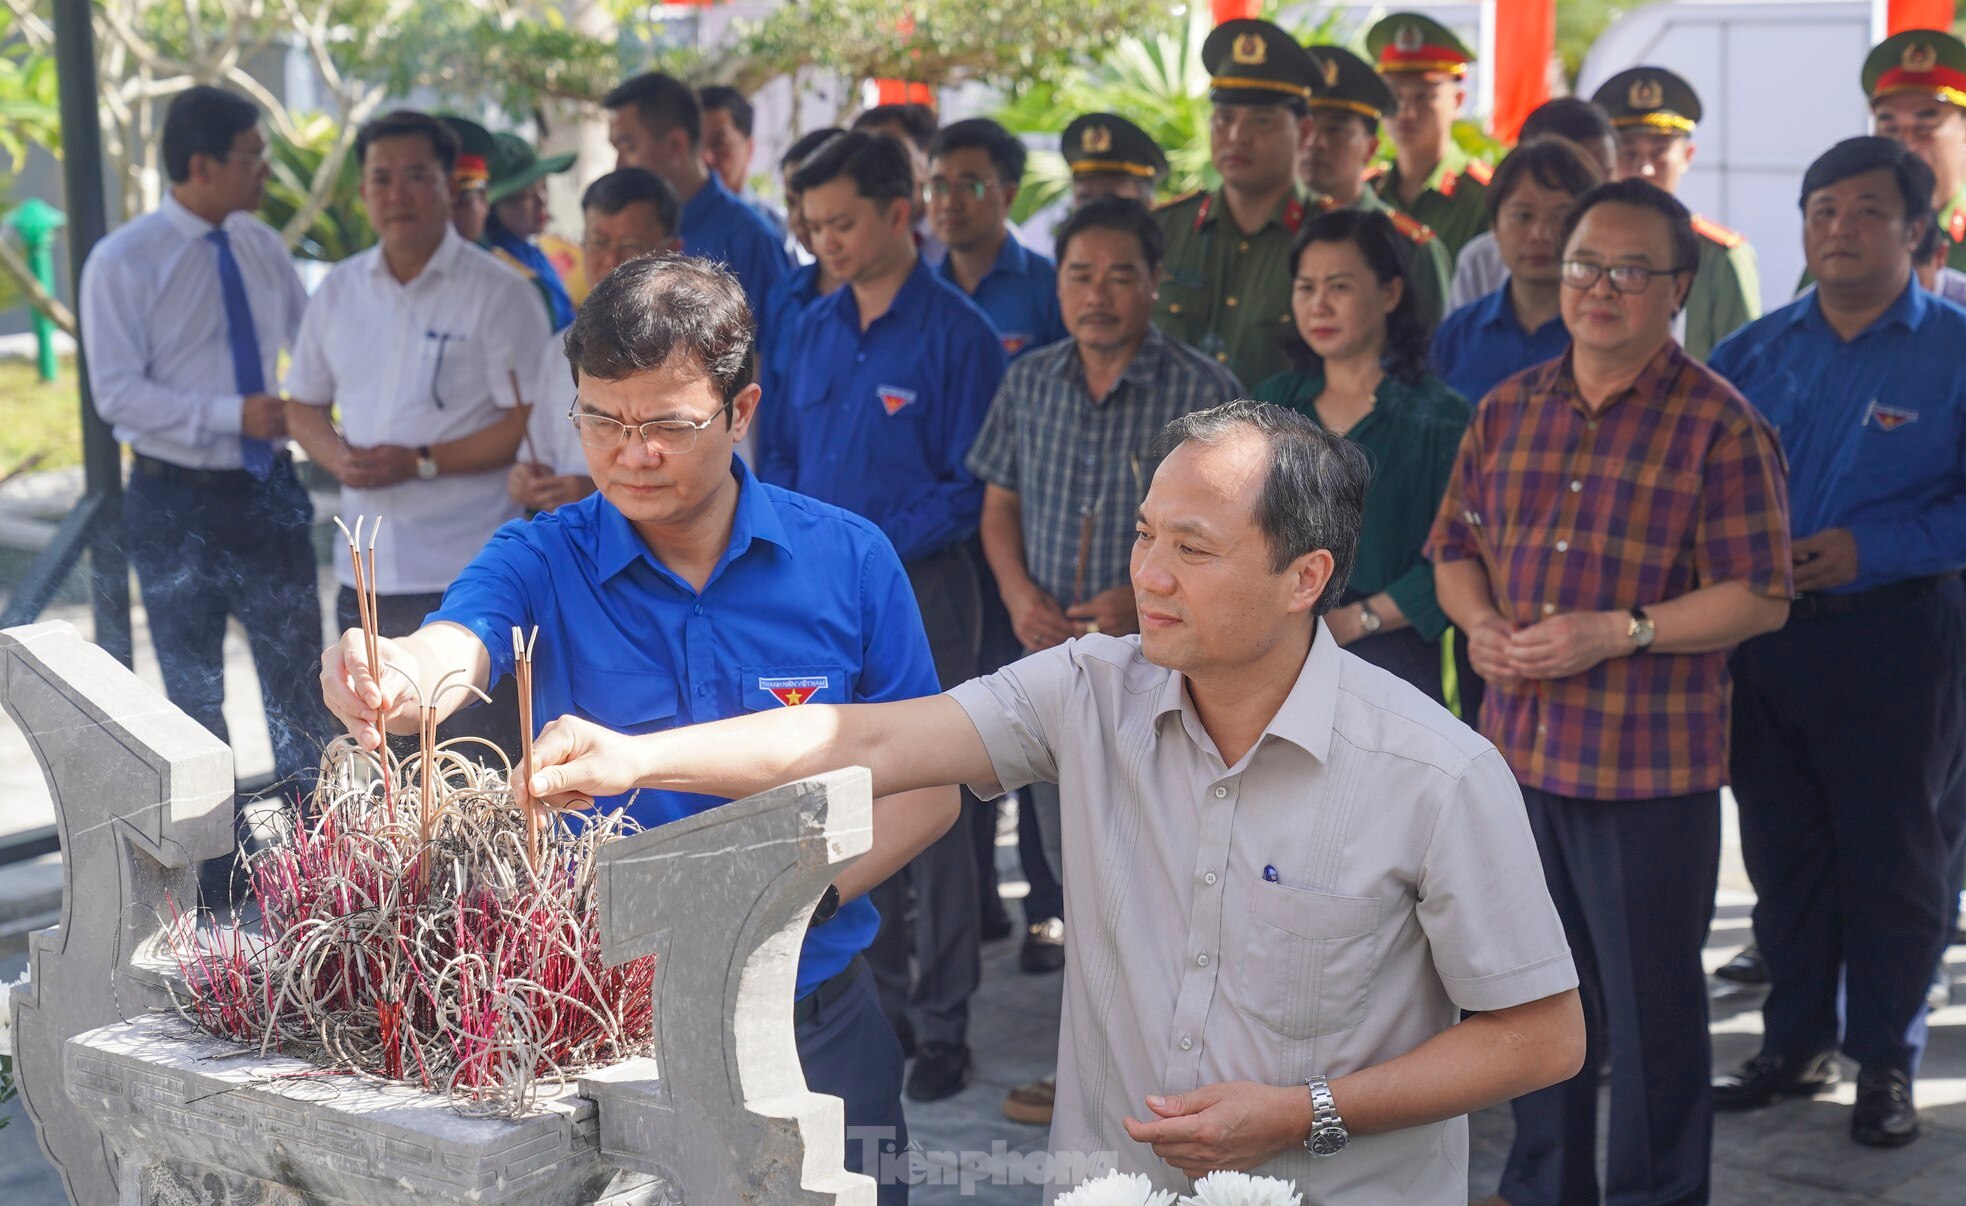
[367, 601]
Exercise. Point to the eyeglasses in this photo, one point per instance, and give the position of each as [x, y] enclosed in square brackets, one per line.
[974, 189]
[627, 249]
[262, 156]
[671, 436]
[1625, 278]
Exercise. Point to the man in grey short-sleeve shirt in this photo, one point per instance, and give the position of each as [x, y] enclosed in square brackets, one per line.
[1289, 871]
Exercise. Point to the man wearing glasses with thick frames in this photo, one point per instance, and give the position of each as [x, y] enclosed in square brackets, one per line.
[421, 347]
[685, 590]
[1618, 521]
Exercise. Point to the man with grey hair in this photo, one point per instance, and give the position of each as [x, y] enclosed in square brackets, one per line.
[1291, 871]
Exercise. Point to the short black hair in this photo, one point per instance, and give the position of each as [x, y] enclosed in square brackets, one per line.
[1314, 495]
[1405, 353]
[1005, 149]
[203, 120]
[802, 150]
[662, 101]
[1570, 117]
[628, 186]
[409, 123]
[1554, 163]
[722, 98]
[1869, 153]
[918, 121]
[658, 306]
[1123, 214]
[1643, 194]
[878, 167]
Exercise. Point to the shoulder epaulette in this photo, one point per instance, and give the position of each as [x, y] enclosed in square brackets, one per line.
[1410, 226]
[1480, 171]
[1715, 232]
[1183, 199]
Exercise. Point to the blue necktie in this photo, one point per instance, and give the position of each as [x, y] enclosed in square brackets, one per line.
[247, 372]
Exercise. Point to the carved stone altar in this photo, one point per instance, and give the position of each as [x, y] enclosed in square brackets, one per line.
[134, 1106]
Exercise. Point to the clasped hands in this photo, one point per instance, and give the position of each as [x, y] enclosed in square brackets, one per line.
[1557, 647]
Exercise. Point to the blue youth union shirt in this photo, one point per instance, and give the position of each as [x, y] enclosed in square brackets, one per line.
[879, 421]
[1483, 344]
[1874, 429]
[716, 225]
[1019, 294]
[789, 298]
[808, 604]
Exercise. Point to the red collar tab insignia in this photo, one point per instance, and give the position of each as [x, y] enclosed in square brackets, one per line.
[1447, 180]
[1888, 418]
[893, 398]
[793, 691]
[1480, 172]
[1293, 215]
[1201, 215]
[1957, 227]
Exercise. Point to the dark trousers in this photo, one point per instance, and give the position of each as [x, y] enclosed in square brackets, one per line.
[496, 722]
[226, 544]
[998, 647]
[1046, 897]
[1847, 734]
[941, 930]
[849, 1051]
[1633, 881]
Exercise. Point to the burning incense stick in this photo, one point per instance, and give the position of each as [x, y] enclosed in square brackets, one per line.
[522, 647]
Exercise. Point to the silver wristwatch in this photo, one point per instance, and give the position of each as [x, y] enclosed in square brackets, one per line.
[1369, 620]
[1328, 1135]
[1640, 630]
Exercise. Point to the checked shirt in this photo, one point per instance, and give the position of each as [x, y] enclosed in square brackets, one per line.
[1675, 484]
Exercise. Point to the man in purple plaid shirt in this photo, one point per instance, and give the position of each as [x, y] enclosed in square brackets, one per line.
[1617, 522]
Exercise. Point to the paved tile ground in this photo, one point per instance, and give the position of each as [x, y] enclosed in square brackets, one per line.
[1796, 1154]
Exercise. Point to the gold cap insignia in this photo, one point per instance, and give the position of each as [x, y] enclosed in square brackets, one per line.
[1096, 140]
[1330, 69]
[1646, 92]
[1920, 56]
[1249, 50]
[1408, 38]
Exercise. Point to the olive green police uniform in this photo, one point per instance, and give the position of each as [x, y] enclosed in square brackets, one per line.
[1347, 83]
[1453, 200]
[1726, 291]
[1223, 290]
[1928, 63]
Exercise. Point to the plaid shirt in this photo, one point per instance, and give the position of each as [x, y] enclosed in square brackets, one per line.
[1064, 452]
[1674, 485]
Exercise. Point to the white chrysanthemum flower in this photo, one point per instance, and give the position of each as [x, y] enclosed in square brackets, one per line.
[1240, 1189]
[7, 1014]
[1117, 1189]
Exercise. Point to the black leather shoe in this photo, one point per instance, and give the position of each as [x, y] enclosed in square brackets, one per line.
[1884, 1116]
[1744, 968]
[1044, 947]
[1768, 1078]
[941, 1070]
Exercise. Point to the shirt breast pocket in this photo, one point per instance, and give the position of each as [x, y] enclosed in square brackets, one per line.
[767, 687]
[1308, 959]
[451, 370]
[627, 701]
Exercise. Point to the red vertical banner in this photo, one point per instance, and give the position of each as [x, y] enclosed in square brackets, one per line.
[1525, 38]
[1230, 10]
[1917, 14]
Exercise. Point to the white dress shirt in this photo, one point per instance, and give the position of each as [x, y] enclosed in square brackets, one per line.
[554, 442]
[1334, 899]
[420, 364]
[153, 325]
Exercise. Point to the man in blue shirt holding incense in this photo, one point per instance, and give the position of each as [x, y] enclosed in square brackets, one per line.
[685, 590]
[890, 377]
[1847, 722]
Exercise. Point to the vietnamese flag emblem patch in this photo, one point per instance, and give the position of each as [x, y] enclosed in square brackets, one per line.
[1889, 418]
[893, 397]
[793, 691]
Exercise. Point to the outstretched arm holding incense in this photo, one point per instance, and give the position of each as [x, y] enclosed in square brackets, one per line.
[910, 745]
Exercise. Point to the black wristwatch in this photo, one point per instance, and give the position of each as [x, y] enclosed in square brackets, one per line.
[828, 907]
[1640, 630]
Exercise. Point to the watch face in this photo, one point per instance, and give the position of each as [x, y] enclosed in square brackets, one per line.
[1328, 1141]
